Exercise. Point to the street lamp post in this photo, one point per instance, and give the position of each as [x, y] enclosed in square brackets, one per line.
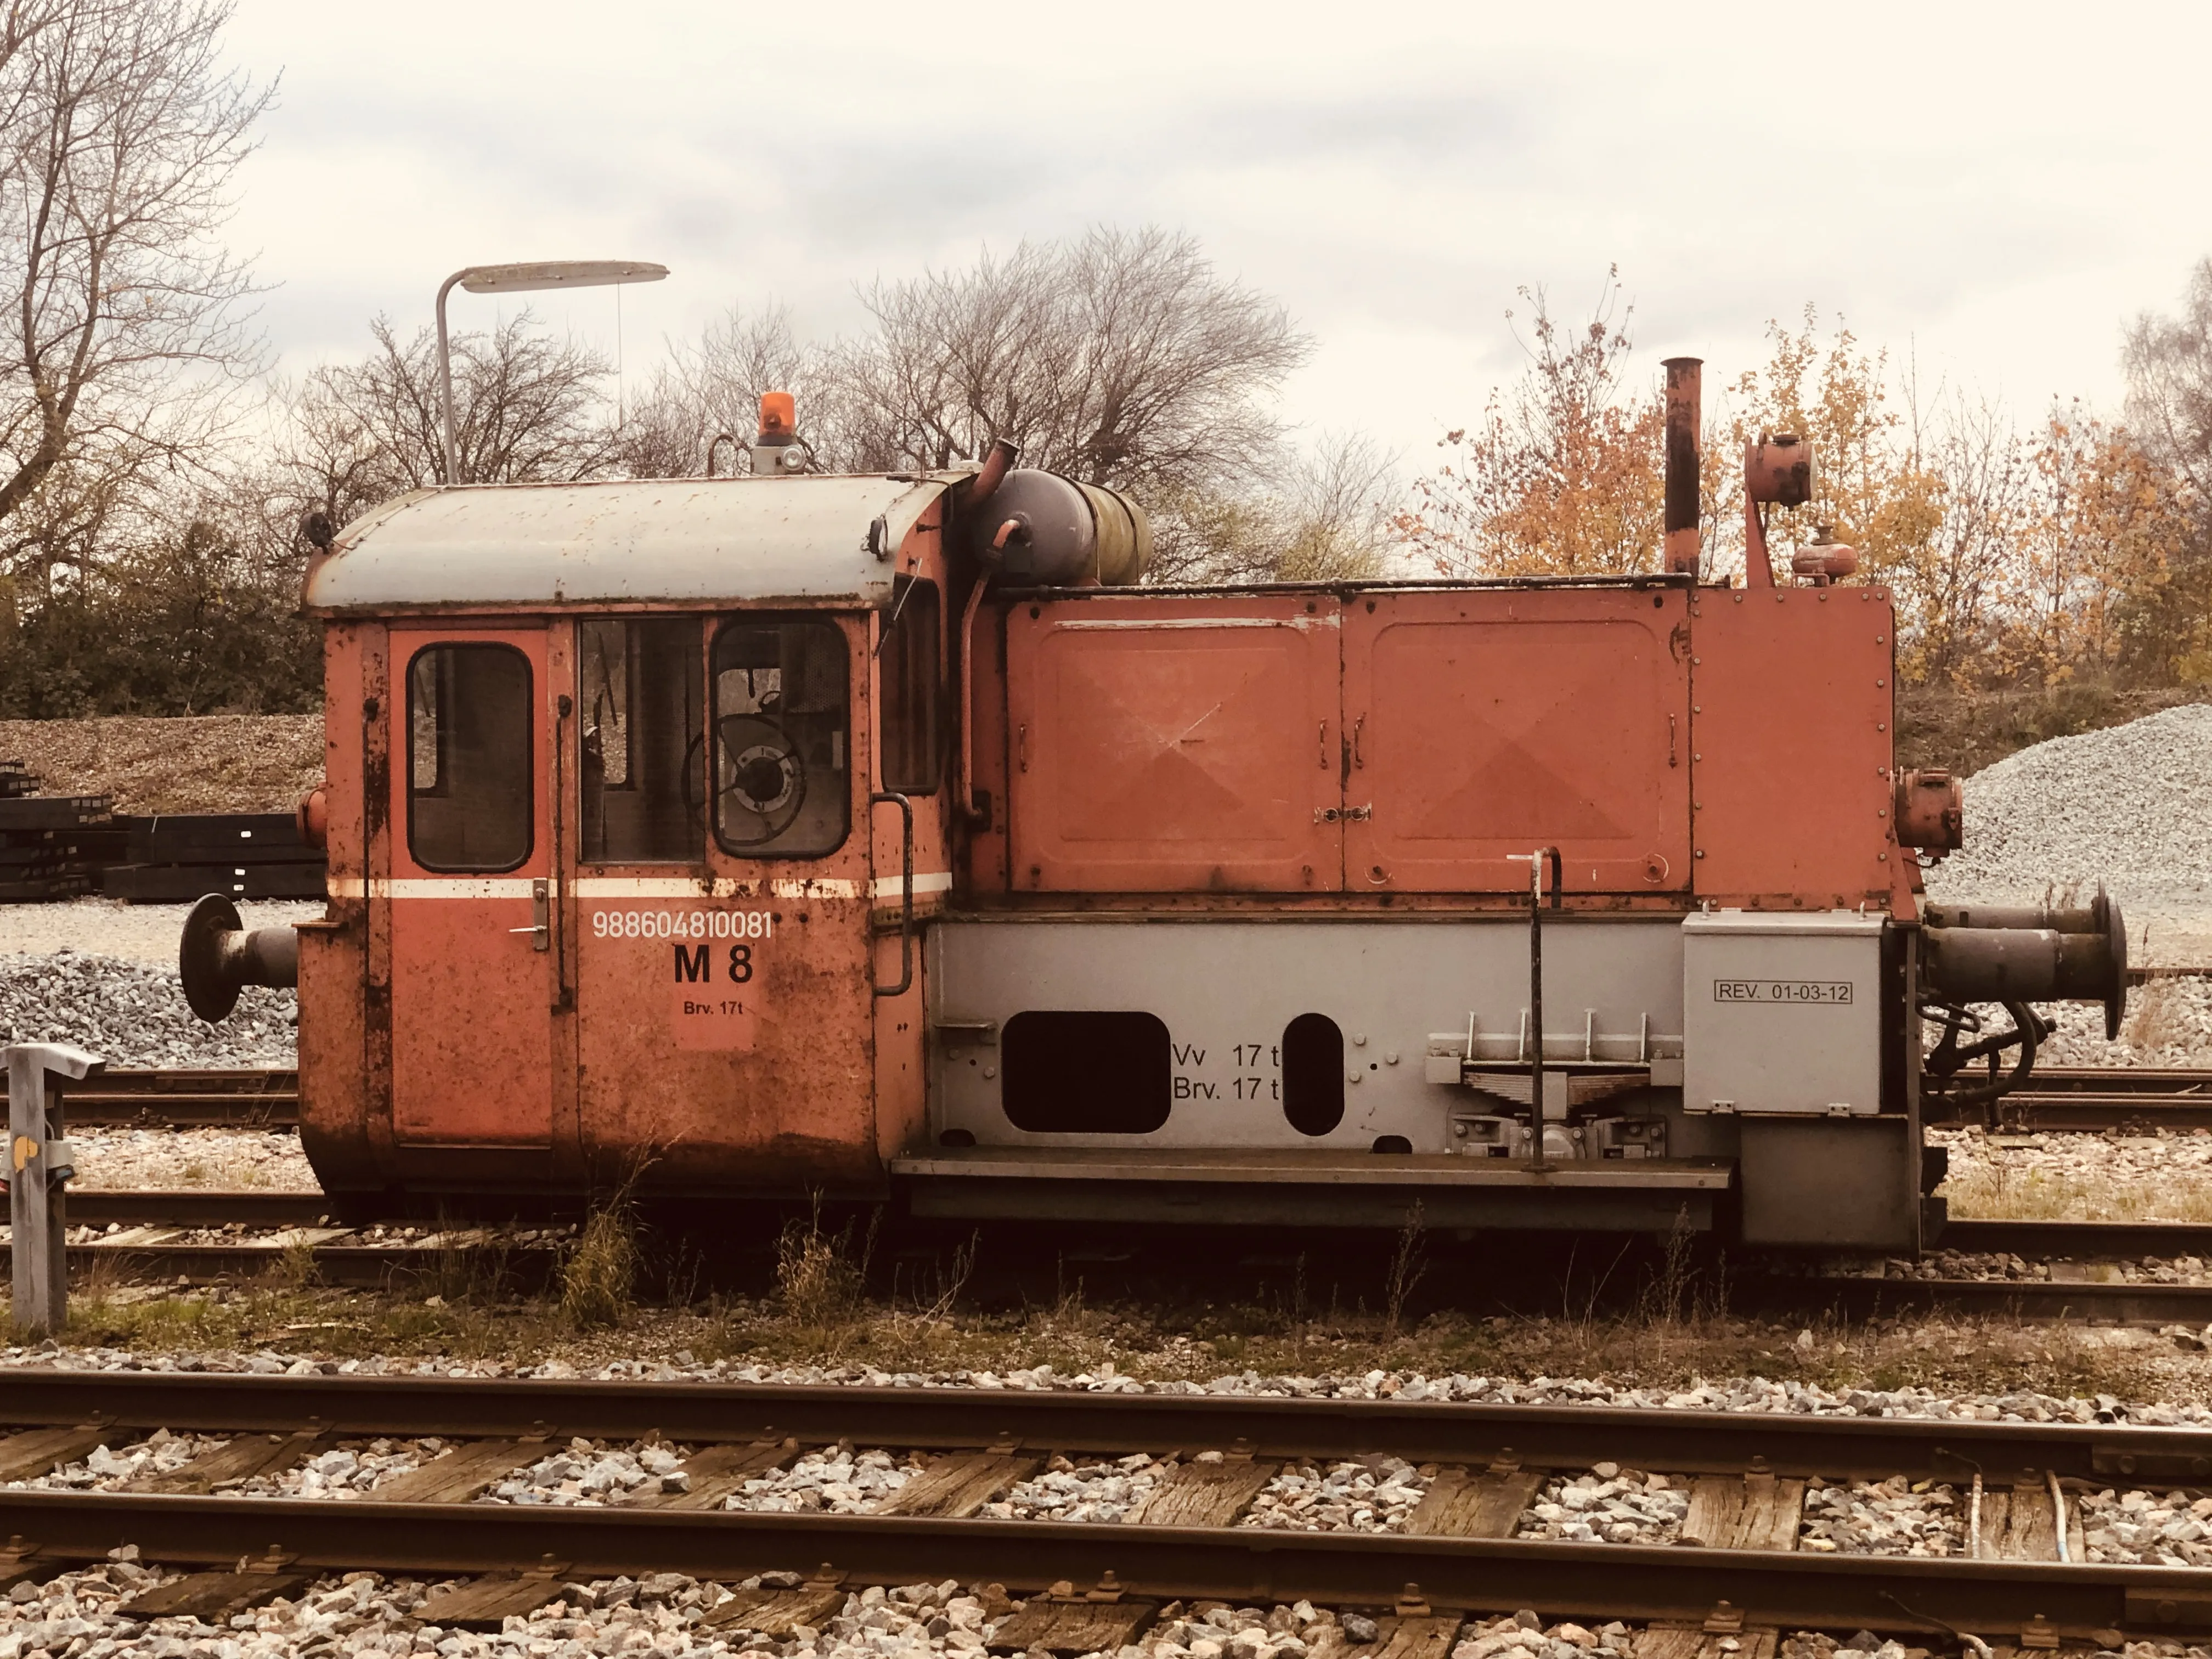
[517, 279]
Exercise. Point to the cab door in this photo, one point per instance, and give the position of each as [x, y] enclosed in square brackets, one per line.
[722, 902]
[475, 979]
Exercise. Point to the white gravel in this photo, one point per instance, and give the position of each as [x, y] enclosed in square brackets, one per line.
[350, 1469]
[1370, 1495]
[2152, 1529]
[593, 1474]
[2085, 1177]
[134, 932]
[1894, 1517]
[1610, 1505]
[834, 1481]
[228, 1159]
[1752, 1393]
[133, 1013]
[667, 1613]
[1104, 1490]
[2124, 805]
[105, 1470]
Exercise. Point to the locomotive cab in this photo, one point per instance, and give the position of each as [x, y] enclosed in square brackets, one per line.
[635, 804]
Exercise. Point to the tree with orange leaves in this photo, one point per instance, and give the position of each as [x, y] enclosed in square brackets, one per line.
[1562, 478]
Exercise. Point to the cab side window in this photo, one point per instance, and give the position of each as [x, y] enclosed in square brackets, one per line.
[469, 754]
[642, 731]
[782, 745]
[910, 673]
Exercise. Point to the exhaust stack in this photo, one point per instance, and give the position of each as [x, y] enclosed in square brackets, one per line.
[1685, 419]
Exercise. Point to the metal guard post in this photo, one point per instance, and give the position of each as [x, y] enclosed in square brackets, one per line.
[38, 1165]
[906, 895]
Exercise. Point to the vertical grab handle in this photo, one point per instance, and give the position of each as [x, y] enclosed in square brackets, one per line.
[906, 893]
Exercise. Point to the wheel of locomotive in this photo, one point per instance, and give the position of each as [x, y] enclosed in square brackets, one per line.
[761, 780]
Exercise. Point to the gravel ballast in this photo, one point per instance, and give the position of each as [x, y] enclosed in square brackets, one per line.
[2122, 806]
[226, 1158]
[132, 1013]
[130, 932]
[1609, 1505]
[668, 1613]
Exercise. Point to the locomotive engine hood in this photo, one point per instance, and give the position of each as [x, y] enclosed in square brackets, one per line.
[812, 540]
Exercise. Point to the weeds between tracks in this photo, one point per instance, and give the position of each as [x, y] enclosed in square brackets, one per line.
[1674, 1334]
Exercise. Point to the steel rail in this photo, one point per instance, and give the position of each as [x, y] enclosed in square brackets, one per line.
[1865, 1297]
[2077, 1240]
[1788, 1589]
[195, 1207]
[352, 1266]
[2093, 1099]
[937, 1419]
[187, 1098]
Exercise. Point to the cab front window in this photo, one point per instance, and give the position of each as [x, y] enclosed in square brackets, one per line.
[782, 745]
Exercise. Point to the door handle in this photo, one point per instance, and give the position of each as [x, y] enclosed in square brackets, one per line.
[540, 919]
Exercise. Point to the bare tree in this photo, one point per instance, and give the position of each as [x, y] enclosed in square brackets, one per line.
[1122, 358]
[527, 408]
[711, 389]
[1326, 515]
[120, 137]
[2168, 361]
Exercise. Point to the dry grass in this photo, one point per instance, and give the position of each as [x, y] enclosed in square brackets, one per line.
[598, 1279]
[2155, 1015]
[1962, 732]
[821, 1281]
[1997, 1192]
[1648, 1348]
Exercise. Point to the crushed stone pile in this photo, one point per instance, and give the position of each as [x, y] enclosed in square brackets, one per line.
[2124, 806]
[133, 1013]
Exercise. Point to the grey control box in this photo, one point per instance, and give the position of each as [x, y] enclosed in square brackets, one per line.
[1782, 1013]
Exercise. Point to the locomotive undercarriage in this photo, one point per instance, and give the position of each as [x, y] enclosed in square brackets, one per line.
[1136, 1066]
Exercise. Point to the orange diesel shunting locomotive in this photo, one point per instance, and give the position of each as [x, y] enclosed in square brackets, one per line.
[878, 835]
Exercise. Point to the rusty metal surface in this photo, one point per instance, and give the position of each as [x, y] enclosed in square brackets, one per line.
[1780, 677]
[1166, 744]
[1685, 422]
[1930, 809]
[472, 989]
[626, 541]
[1483, 724]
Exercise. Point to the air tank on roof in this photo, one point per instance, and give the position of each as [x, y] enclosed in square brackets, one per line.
[1038, 529]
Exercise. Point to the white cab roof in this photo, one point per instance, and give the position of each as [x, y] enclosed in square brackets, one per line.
[806, 538]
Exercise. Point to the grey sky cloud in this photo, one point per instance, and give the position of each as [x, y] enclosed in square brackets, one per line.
[1988, 189]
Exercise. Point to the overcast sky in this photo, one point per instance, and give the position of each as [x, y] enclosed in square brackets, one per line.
[1996, 189]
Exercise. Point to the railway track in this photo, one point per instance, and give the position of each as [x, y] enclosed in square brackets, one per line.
[1746, 1476]
[2094, 1100]
[188, 1099]
[164, 1234]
